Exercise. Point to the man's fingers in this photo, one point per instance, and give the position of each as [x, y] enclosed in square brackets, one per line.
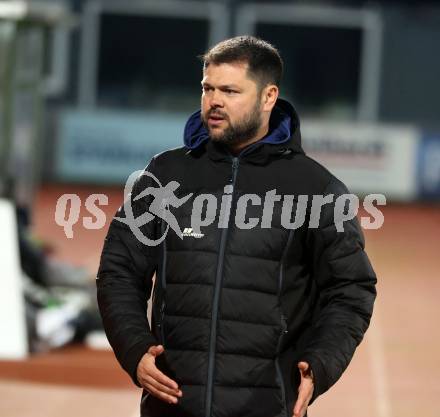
[299, 411]
[161, 395]
[163, 379]
[305, 392]
[303, 366]
[155, 381]
[301, 404]
[304, 369]
[163, 388]
[300, 408]
[147, 368]
[156, 350]
[301, 400]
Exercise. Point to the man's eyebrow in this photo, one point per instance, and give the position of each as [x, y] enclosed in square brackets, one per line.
[222, 87]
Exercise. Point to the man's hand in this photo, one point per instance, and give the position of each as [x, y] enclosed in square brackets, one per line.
[155, 381]
[305, 390]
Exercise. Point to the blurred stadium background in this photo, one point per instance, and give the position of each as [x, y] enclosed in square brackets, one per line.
[90, 90]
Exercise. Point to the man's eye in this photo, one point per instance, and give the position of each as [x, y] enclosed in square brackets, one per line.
[228, 91]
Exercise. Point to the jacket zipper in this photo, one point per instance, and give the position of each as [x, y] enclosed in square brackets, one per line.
[162, 315]
[284, 327]
[162, 283]
[217, 290]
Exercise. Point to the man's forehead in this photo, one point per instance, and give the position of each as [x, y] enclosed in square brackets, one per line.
[226, 72]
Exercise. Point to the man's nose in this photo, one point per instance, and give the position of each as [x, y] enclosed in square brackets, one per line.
[215, 99]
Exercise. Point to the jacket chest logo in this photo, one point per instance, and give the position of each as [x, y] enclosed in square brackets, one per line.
[188, 232]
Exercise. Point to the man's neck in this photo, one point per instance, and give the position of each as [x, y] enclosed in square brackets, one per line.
[237, 148]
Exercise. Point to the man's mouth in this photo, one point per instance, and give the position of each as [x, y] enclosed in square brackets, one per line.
[215, 119]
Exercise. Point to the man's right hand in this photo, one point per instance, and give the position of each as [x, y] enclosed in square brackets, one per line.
[155, 381]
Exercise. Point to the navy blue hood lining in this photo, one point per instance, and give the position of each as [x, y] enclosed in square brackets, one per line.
[283, 124]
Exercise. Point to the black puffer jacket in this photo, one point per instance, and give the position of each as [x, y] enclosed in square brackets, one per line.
[235, 308]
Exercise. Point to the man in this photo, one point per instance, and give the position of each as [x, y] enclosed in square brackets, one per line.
[248, 320]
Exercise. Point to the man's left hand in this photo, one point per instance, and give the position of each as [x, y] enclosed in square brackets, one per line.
[305, 390]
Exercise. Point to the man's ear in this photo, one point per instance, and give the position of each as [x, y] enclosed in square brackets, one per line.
[269, 97]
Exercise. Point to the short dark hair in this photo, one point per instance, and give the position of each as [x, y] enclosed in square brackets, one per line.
[265, 65]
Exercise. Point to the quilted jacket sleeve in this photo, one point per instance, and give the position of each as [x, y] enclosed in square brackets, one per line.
[345, 283]
[124, 282]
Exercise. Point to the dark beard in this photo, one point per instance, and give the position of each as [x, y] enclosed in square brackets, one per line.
[242, 131]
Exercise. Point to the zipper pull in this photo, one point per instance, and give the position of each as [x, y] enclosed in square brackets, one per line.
[161, 313]
[284, 324]
[234, 169]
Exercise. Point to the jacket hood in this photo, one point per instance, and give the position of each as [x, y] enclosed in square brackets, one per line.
[283, 128]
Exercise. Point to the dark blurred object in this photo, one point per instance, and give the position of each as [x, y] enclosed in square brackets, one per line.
[57, 316]
[60, 299]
